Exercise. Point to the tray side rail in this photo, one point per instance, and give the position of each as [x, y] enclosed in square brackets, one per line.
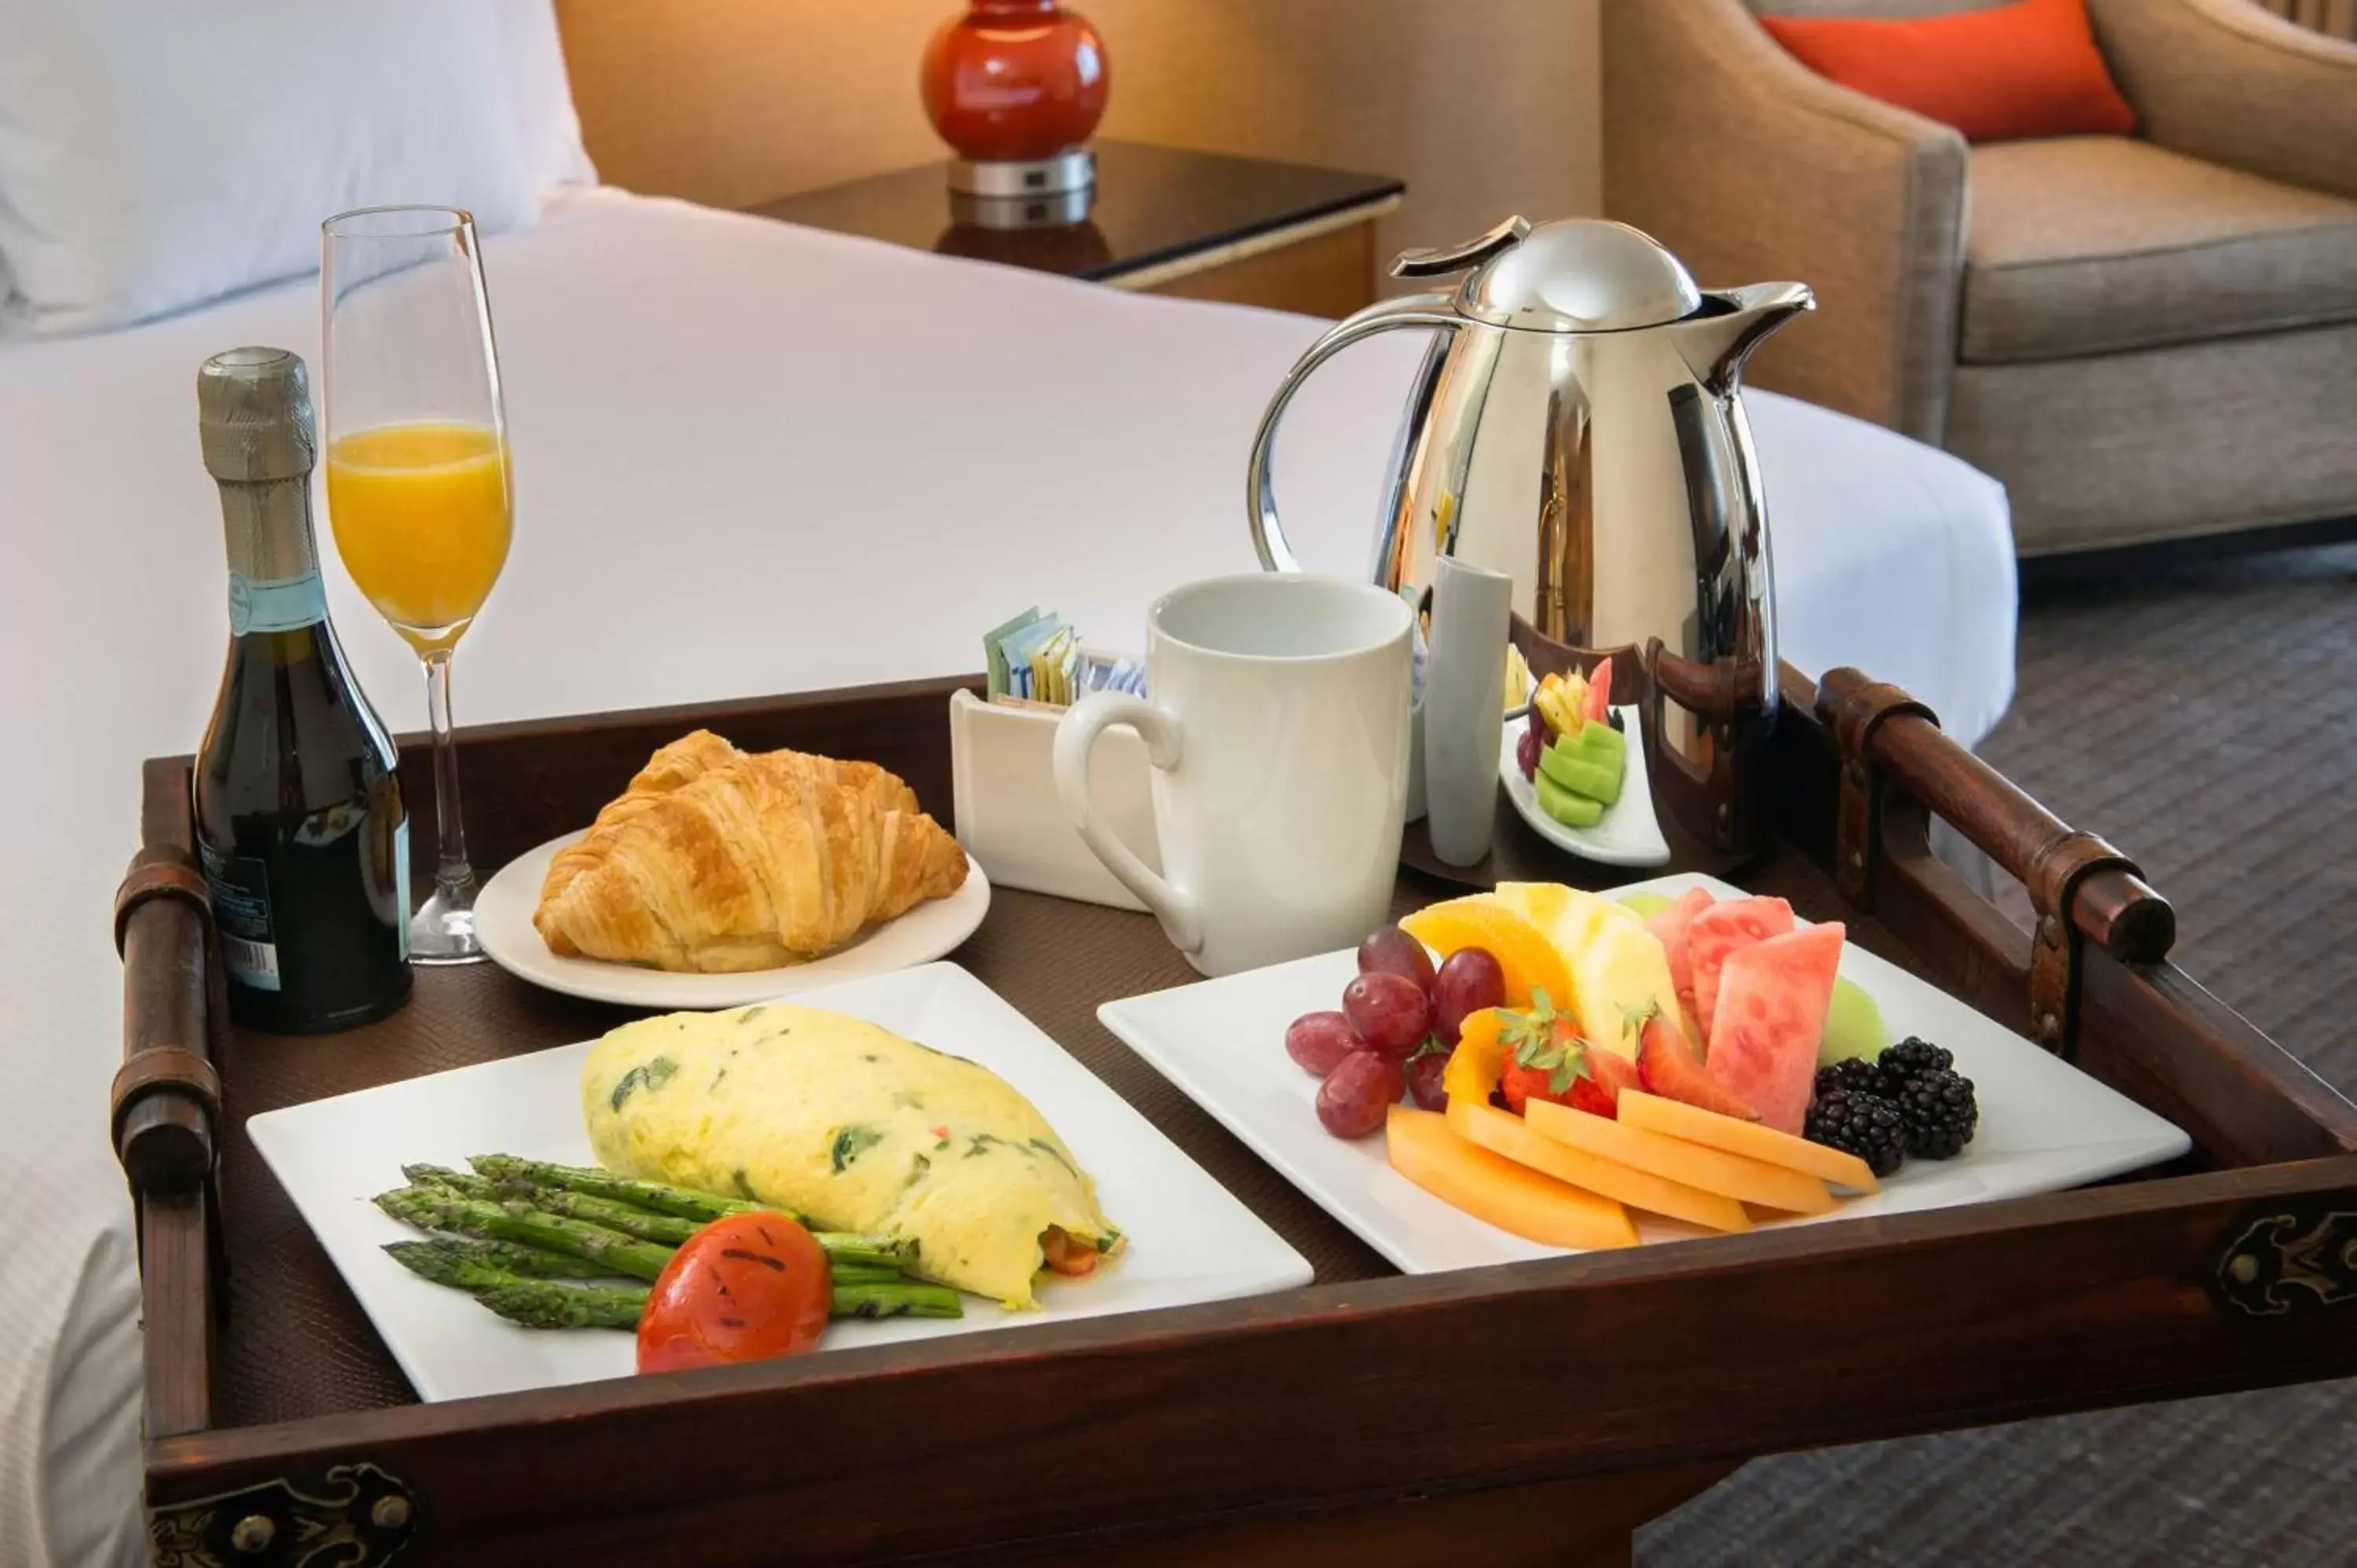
[165, 1104]
[2092, 980]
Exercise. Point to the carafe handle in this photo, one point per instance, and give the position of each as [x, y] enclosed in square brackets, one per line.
[1260, 484]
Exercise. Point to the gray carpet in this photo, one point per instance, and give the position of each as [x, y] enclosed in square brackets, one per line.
[2204, 720]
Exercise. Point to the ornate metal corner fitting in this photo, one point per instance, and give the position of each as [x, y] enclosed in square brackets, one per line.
[2299, 1259]
[360, 1518]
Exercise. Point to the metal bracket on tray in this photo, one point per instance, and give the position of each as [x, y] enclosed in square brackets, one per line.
[360, 1516]
[2294, 1259]
[2079, 886]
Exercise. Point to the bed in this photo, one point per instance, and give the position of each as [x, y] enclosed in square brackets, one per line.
[750, 458]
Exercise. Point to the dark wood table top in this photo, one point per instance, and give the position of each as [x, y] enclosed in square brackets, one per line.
[1153, 206]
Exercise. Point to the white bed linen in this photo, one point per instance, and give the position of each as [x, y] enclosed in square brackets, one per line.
[749, 458]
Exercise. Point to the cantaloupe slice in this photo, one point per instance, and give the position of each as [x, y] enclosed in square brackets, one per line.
[1509, 1136]
[1696, 1165]
[1655, 1114]
[1490, 1187]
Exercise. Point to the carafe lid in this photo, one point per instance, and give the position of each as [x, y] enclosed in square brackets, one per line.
[1575, 275]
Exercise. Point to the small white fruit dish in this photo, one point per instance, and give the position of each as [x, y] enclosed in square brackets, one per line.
[1626, 835]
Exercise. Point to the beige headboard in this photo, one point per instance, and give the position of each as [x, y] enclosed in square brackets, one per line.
[1483, 106]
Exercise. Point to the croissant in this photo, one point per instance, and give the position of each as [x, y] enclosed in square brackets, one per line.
[715, 859]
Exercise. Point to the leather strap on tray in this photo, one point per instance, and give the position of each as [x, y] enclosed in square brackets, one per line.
[1855, 708]
[2080, 886]
[159, 871]
[2053, 875]
[167, 1099]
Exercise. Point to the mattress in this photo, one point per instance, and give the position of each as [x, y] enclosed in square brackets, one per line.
[749, 458]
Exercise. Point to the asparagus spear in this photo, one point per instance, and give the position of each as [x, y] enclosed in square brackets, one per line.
[590, 1195]
[433, 1209]
[898, 1299]
[443, 1253]
[545, 1304]
[656, 1196]
[843, 1248]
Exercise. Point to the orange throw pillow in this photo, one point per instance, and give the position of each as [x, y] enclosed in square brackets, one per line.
[2029, 69]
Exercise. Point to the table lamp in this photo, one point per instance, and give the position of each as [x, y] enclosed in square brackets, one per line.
[1016, 87]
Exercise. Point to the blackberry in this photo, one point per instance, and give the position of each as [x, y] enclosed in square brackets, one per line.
[1938, 1113]
[1909, 1057]
[1854, 1074]
[1859, 1123]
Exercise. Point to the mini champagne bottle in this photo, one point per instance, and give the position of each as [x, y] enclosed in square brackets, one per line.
[300, 825]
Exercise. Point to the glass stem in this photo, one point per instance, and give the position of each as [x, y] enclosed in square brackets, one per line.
[453, 878]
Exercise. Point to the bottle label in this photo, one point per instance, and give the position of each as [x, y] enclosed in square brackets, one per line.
[240, 887]
[275, 604]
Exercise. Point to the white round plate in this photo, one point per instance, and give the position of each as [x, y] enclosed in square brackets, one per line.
[503, 920]
[1628, 834]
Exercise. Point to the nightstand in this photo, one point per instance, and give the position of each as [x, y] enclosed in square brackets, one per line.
[1165, 220]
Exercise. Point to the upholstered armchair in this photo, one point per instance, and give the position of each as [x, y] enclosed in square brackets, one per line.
[2145, 339]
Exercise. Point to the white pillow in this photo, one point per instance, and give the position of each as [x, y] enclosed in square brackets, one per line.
[542, 95]
[156, 154]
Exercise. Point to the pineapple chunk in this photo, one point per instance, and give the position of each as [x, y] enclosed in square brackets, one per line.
[1622, 973]
[1615, 963]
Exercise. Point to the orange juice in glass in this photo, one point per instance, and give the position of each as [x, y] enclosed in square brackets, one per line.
[420, 492]
[421, 513]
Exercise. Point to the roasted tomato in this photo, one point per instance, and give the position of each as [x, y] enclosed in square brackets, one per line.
[741, 1289]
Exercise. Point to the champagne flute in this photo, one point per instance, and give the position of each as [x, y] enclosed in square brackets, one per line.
[420, 492]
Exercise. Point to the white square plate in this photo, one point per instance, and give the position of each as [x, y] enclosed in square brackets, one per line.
[1190, 1239]
[2044, 1126]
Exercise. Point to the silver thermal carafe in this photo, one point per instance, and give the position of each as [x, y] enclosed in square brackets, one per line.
[1577, 424]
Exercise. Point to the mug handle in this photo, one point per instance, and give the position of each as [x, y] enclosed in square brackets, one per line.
[1076, 739]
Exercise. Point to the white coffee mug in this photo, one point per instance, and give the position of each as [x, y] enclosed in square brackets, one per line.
[1277, 721]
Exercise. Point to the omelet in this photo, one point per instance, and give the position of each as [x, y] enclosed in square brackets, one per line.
[854, 1128]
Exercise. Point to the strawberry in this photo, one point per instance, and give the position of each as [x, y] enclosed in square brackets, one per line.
[1547, 1059]
[1609, 1073]
[1666, 1067]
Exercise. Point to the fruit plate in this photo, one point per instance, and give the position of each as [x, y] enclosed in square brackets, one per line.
[1190, 1239]
[2044, 1126]
[1626, 835]
[934, 929]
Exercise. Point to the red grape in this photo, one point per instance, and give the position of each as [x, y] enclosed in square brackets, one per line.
[1470, 980]
[1320, 1040]
[1390, 951]
[1389, 1014]
[1526, 754]
[1424, 1080]
[1353, 1099]
[1538, 729]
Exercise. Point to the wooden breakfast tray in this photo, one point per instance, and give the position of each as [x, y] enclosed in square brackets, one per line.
[1532, 1412]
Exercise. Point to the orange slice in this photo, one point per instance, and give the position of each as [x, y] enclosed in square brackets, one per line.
[1531, 961]
[1695, 1125]
[1500, 1134]
[1696, 1165]
[1480, 1058]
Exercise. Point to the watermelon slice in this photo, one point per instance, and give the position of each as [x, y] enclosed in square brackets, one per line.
[1597, 705]
[1666, 1067]
[1672, 926]
[1772, 997]
[1718, 931]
